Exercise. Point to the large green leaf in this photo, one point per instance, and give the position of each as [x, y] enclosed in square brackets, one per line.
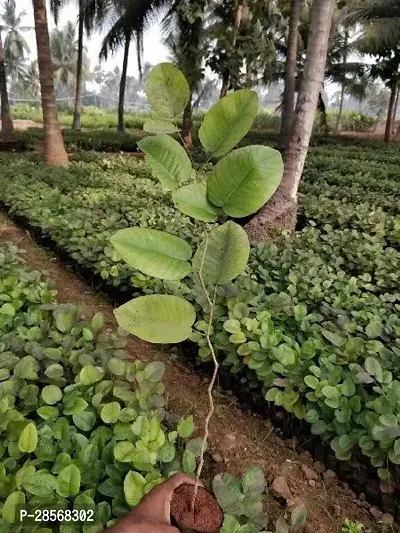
[160, 319]
[159, 125]
[228, 121]
[168, 161]
[167, 90]
[153, 252]
[134, 484]
[245, 180]
[223, 255]
[192, 201]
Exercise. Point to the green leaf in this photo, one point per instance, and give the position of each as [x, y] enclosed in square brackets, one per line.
[334, 338]
[374, 329]
[299, 517]
[228, 491]
[192, 201]
[167, 90]
[7, 309]
[65, 320]
[12, 507]
[84, 421]
[134, 484]
[55, 371]
[186, 427]
[373, 367]
[154, 372]
[69, 481]
[223, 255]
[28, 439]
[189, 462]
[254, 482]
[116, 366]
[124, 452]
[168, 161]
[230, 525]
[51, 394]
[245, 180]
[154, 252]
[159, 126]
[90, 374]
[312, 382]
[110, 412]
[40, 484]
[24, 473]
[228, 121]
[160, 319]
[281, 525]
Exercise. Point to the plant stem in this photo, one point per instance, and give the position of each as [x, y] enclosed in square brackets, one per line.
[211, 303]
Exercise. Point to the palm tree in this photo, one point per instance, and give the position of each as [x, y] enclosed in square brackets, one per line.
[7, 128]
[126, 21]
[54, 149]
[64, 49]
[88, 12]
[185, 41]
[281, 211]
[381, 38]
[15, 45]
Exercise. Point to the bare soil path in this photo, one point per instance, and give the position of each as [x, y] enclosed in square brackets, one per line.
[238, 439]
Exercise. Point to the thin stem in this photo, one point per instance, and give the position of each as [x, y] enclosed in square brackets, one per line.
[212, 382]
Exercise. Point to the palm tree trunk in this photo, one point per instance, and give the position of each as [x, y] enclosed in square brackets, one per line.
[343, 89]
[122, 85]
[290, 75]
[194, 62]
[280, 213]
[187, 123]
[396, 105]
[54, 150]
[389, 121]
[240, 8]
[225, 85]
[76, 123]
[7, 127]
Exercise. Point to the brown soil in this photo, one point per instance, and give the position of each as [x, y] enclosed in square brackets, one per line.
[238, 439]
[207, 516]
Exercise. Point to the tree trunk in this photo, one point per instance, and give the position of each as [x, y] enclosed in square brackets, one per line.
[280, 213]
[240, 7]
[7, 127]
[343, 90]
[396, 105]
[76, 123]
[53, 144]
[389, 121]
[122, 85]
[187, 124]
[290, 75]
[225, 85]
[194, 61]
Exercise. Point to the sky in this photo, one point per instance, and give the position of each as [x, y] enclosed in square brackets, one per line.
[154, 50]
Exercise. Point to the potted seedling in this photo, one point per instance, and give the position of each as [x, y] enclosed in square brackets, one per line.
[241, 182]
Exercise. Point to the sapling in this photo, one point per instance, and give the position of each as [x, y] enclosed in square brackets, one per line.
[242, 181]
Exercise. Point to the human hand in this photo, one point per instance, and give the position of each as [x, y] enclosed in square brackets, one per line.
[152, 515]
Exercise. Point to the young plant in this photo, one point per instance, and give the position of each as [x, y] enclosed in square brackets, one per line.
[239, 185]
[242, 503]
[352, 527]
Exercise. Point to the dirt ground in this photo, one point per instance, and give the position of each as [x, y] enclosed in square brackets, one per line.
[238, 439]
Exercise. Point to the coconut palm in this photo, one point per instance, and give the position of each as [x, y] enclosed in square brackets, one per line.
[88, 12]
[64, 51]
[126, 21]
[54, 149]
[381, 38]
[281, 211]
[15, 45]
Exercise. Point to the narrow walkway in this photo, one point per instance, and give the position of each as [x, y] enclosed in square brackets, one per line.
[238, 439]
